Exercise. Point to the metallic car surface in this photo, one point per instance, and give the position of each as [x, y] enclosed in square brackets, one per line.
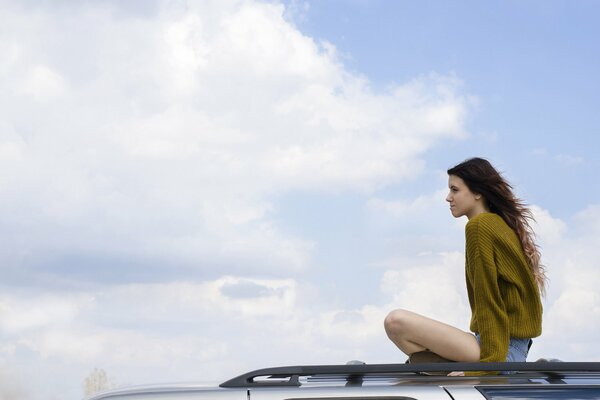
[388, 382]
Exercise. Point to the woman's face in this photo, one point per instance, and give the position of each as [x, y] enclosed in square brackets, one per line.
[462, 200]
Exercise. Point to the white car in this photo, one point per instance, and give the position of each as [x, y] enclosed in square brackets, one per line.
[530, 380]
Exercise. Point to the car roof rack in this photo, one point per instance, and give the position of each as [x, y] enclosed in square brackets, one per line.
[290, 376]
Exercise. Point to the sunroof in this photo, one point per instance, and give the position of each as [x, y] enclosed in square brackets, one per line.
[543, 392]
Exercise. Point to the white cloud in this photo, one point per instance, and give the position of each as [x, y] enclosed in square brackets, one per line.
[43, 84]
[228, 322]
[11, 386]
[24, 315]
[297, 10]
[569, 160]
[572, 306]
[587, 222]
[122, 347]
[179, 331]
[569, 252]
[351, 327]
[136, 331]
[406, 208]
[152, 147]
[549, 230]
[138, 147]
[166, 137]
[434, 289]
[565, 160]
[416, 226]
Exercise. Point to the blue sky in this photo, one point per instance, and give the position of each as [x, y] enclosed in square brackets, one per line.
[180, 180]
[531, 66]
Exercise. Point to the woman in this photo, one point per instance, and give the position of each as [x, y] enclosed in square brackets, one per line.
[503, 272]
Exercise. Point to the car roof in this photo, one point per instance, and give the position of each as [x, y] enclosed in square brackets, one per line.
[374, 381]
[290, 375]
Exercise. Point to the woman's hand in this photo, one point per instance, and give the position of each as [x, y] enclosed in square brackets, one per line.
[456, 373]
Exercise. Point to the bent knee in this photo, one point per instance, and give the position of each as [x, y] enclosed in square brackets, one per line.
[396, 320]
[473, 353]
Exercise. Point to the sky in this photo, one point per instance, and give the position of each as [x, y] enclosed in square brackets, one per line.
[193, 189]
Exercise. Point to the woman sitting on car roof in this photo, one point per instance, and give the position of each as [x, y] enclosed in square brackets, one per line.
[503, 273]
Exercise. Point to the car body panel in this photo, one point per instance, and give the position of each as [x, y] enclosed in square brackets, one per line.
[357, 392]
[388, 382]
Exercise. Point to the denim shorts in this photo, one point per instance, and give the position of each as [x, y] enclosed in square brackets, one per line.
[517, 349]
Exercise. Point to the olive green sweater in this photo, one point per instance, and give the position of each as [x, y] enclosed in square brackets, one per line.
[504, 298]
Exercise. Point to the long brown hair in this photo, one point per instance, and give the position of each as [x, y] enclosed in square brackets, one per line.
[482, 178]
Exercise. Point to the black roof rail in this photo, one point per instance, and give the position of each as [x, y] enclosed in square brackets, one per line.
[290, 376]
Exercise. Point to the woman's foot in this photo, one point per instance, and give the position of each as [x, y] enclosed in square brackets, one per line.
[426, 356]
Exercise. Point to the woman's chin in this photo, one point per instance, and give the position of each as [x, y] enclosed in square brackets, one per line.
[455, 213]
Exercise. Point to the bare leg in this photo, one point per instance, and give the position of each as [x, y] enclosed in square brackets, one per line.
[413, 332]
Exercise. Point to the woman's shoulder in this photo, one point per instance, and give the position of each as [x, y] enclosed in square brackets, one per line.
[485, 217]
[486, 222]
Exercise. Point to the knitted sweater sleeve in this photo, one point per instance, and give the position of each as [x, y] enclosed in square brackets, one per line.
[488, 308]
